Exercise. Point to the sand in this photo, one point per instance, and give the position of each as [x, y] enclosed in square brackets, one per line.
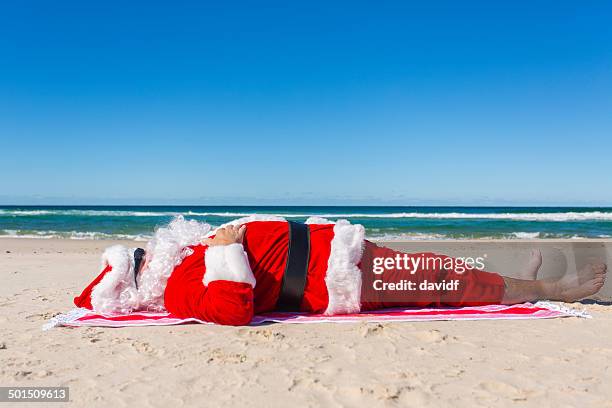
[559, 362]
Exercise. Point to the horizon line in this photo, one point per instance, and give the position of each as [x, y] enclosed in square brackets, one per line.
[321, 205]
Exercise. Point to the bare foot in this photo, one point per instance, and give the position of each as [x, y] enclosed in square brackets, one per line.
[530, 271]
[588, 281]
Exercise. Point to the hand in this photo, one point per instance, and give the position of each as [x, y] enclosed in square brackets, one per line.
[226, 236]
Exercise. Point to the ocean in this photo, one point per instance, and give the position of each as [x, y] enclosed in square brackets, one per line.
[412, 223]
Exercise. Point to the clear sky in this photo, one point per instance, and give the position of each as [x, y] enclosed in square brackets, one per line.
[331, 102]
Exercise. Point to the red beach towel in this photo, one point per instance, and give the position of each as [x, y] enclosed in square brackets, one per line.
[540, 310]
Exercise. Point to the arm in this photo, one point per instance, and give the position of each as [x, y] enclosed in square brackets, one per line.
[223, 302]
[230, 284]
[214, 284]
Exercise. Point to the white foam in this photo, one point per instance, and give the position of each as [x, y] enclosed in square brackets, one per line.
[526, 235]
[413, 236]
[373, 234]
[550, 216]
[442, 237]
[94, 213]
[71, 235]
[564, 216]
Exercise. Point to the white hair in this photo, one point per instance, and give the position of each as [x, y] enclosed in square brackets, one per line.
[165, 251]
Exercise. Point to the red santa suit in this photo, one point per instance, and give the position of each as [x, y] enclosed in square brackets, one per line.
[227, 284]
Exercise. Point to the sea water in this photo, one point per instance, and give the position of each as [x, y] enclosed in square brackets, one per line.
[414, 223]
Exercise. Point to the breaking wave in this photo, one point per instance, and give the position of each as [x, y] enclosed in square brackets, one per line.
[532, 216]
[7, 233]
[371, 234]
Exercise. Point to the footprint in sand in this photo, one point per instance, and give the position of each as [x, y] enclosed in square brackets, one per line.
[309, 383]
[92, 335]
[43, 373]
[145, 348]
[381, 392]
[503, 389]
[218, 356]
[372, 330]
[29, 370]
[42, 316]
[454, 372]
[402, 395]
[262, 334]
[432, 336]
[22, 375]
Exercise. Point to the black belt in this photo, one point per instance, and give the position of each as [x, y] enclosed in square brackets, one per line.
[294, 279]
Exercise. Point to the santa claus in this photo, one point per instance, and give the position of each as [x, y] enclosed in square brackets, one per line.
[265, 263]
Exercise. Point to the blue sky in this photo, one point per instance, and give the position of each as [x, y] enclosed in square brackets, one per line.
[306, 102]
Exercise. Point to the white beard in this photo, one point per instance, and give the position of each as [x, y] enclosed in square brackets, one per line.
[165, 251]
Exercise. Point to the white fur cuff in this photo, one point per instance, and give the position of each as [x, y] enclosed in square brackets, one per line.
[227, 262]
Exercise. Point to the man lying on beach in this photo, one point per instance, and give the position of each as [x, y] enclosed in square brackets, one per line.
[264, 263]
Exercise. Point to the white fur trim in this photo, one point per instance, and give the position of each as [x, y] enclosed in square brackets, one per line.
[343, 278]
[116, 292]
[250, 218]
[227, 262]
[165, 251]
[318, 220]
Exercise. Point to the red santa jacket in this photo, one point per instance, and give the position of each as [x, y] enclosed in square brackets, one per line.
[228, 284]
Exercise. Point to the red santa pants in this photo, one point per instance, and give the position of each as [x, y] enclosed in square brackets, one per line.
[431, 286]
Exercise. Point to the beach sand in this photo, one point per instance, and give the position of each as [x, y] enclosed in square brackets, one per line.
[559, 362]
